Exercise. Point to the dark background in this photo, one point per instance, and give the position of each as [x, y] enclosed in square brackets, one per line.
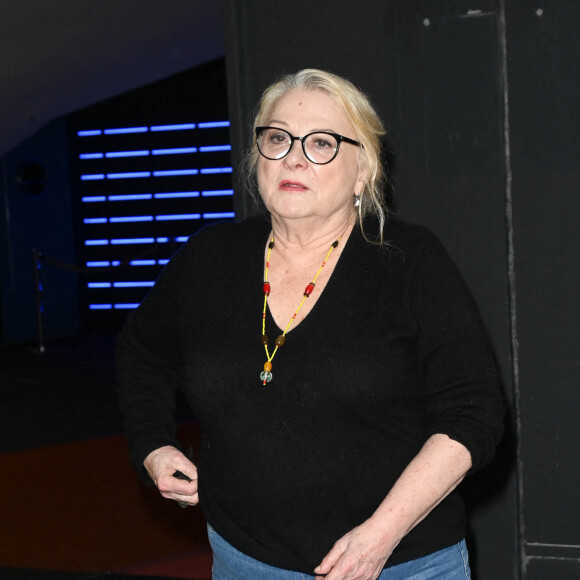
[481, 103]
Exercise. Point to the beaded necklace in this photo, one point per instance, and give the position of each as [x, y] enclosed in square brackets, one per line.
[266, 374]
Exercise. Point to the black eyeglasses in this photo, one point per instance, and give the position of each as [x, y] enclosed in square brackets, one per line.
[320, 147]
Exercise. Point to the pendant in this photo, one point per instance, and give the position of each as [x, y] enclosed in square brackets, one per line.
[265, 377]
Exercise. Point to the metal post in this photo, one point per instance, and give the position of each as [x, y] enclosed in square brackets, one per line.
[36, 257]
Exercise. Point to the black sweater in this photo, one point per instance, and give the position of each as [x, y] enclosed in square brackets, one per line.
[392, 352]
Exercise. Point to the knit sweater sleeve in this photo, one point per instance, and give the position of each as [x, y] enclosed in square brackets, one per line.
[148, 363]
[455, 357]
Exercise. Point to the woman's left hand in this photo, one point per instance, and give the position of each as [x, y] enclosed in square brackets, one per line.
[359, 555]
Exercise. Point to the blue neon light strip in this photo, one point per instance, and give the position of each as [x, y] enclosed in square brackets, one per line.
[99, 264]
[140, 153]
[182, 238]
[217, 192]
[124, 130]
[162, 262]
[219, 215]
[135, 218]
[172, 172]
[130, 197]
[213, 148]
[133, 284]
[162, 240]
[91, 156]
[182, 127]
[174, 151]
[95, 220]
[89, 133]
[213, 125]
[176, 194]
[125, 306]
[92, 177]
[94, 198]
[99, 285]
[118, 241]
[129, 175]
[96, 242]
[100, 306]
[216, 170]
[143, 263]
[179, 216]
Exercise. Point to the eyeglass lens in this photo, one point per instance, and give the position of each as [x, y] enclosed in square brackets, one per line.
[318, 147]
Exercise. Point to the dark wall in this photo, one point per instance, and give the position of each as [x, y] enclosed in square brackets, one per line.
[478, 100]
[37, 217]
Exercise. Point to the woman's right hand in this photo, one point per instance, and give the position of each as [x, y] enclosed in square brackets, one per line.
[162, 463]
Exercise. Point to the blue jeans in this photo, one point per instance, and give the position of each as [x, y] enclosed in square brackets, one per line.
[230, 564]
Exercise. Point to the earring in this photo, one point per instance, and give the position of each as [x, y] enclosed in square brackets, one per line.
[356, 200]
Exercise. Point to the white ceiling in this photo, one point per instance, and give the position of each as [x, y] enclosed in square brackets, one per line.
[57, 56]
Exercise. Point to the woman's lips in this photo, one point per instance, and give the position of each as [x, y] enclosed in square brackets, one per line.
[292, 186]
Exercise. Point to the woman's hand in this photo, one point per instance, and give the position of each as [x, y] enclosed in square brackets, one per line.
[359, 555]
[162, 463]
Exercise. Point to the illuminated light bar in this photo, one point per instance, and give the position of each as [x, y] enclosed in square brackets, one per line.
[133, 284]
[212, 148]
[123, 130]
[182, 239]
[99, 285]
[96, 242]
[93, 198]
[92, 177]
[163, 240]
[100, 306]
[95, 220]
[91, 156]
[213, 125]
[163, 262]
[101, 264]
[89, 133]
[135, 218]
[116, 262]
[125, 306]
[179, 216]
[182, 127]
[218, 215]
[216, 192]
[175, 151]
[176, 194]
[141, 153]
[171, 172]
[117, 241]
[142, 263]
[129, 175]
[130, 197]
[216, 170]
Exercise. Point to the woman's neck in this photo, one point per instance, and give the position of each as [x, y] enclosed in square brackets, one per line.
[296, 239]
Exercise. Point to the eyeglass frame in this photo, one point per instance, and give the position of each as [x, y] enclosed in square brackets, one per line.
[339, 139]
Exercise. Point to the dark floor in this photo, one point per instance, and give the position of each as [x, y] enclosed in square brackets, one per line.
[65, 394]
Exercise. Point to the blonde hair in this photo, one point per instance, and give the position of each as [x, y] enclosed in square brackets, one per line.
[365, 121]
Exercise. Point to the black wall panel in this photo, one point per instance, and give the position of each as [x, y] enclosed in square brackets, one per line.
[544, 73]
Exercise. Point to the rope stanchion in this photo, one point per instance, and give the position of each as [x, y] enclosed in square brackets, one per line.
[38, 257]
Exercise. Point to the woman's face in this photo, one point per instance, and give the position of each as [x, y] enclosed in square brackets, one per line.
[293, 187]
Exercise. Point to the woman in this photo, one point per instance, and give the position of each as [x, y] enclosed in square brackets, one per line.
[337, 364]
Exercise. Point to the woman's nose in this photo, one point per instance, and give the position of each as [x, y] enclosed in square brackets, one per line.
[296, 154]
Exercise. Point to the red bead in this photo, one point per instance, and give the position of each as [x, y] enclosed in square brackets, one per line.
[267, 288]
[309, 289]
